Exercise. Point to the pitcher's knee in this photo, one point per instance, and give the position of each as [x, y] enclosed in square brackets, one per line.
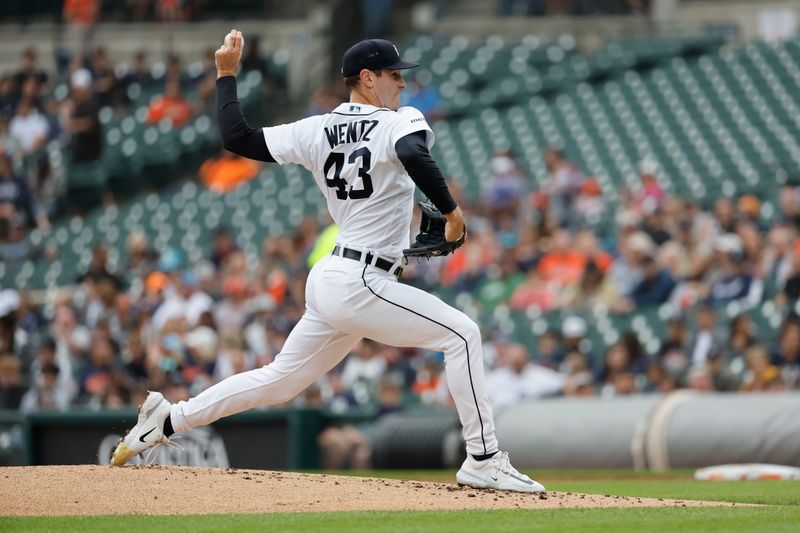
[472, 332]
[467, 335]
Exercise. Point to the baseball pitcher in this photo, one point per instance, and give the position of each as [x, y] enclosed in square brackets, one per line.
[367, 156]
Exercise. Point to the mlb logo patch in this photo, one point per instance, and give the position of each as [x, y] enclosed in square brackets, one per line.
[355, 108]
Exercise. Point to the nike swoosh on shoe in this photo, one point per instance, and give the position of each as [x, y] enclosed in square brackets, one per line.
[526, 481]
[141, 438]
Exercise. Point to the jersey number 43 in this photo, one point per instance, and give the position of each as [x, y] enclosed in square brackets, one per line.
[336, 161]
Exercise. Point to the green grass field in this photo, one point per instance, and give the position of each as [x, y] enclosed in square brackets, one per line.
[779, 510]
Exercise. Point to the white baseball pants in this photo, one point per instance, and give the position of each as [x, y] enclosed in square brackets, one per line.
[345, 301]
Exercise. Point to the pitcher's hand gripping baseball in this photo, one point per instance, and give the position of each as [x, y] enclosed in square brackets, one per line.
[227, 56]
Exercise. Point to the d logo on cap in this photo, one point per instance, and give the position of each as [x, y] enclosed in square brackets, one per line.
[372, 54]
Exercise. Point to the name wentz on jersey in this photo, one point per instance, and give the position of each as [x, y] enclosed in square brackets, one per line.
[350, 132]
[351, 153]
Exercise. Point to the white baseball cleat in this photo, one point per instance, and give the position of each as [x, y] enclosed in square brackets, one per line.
[495, 473]
[148, 431]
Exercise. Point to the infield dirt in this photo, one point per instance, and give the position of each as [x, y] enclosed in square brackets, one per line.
[164, 490]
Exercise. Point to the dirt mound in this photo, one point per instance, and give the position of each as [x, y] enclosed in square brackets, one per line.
[162, 490]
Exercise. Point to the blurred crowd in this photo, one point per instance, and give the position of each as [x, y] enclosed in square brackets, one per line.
[154, 321]
[51, 123]
[565, 246]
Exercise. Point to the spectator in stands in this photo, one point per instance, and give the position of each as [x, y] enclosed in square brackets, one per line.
[520, 379]
[735, 283]
[707, 340]
[174, 72]
[31, 91]
[590, 204]
[252, 58]
[341, 447]
[740, 339]
[699, 379]
[790, 291]
[760, 375]
[428, 378]
[722, 378]
[659, 380]
[256, 330]
[626, 271]
[98, 269]
[184, 301]
[534, 291]
[72, 338]
[650, 195]
[14, 244]
[725, 215]
[423, 95]
[620, 365]
[29, 127]
[141, 258]
[105, 86]
[595, 290]
[231, 312]
[748, 207]
[171, 105]
[9, 145]
[9, 320]
[562, 185]
[9, 96]
[96, 376]
[789, 205]
[550, 353]
[11, 389]
[577, 355]
[15, 197]
[29, 69]
[81, 17]
[85, 142]
[654, 288]
[507, 186]
[222, 246]
[676, 347]
[776, 264]
[362, 371]
[233, 357]
[138, 73]
[48, 392]
[227, 172]
[654, 223]
[398, 368]
[563, 263]
[172, 10]
[787, 353]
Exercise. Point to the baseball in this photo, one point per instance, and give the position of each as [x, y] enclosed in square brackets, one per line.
[229, 40]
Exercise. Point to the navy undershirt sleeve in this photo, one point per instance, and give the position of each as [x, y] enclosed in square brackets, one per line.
[237, 135]
[413, 153]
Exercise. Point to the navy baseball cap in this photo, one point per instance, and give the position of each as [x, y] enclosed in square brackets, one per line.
[372, 54]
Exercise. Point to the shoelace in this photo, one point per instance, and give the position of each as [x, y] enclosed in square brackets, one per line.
[505, 465]
[152, 456]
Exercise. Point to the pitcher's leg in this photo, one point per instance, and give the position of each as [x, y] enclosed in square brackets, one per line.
[312, 348]
[416, 318]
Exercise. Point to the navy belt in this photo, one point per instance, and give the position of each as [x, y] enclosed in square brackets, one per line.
[383, 264]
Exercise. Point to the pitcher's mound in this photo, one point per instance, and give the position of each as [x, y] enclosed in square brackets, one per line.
[160, 490]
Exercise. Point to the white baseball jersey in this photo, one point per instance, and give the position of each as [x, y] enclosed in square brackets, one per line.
[351, 153]
[370, 195]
